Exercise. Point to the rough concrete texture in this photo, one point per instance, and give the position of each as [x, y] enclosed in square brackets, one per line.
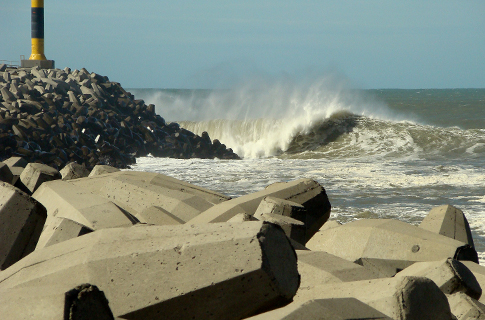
[288, 215]
[324, 309]
[464, 307]
[242, 217]
[318, 268]
[158, 216]
[211, 271]
[62, 199]
[84, 302]
[450, 276]
[402, 298]
[102, 169]
[448, 221]
[36, 174]
[137, 191]
[60, 229]
[388, 245]
[21, 222]
[479, 273]
[306, 192]
[5, 173]
[74, 171]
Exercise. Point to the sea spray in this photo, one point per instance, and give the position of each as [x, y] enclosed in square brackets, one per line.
[261, 118]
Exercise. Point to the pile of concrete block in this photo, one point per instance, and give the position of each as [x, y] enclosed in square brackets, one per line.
[54, 117]
[111, 244]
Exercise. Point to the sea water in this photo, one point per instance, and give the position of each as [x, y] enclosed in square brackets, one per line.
[378, 153]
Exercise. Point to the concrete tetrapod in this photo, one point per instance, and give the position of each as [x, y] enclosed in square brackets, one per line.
[450, 276]
[84, 302]
[21, 222]
[479, 273]
[136, 191]
[324, 309]
[318, 267]
[102, 169]
[306, 192]
[403, 298]
[5, 173]
[73, 171]
[210, 271]
[36, 174]
[388, 245]
[63, 200]
[464, 307]
[448, 221]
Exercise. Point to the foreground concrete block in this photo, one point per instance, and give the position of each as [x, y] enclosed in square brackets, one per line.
[16, 162]
[464, 307]
[288, 215]
[318, 268]
[451, 276]
[324, 309]
[57, 230]
[5, 173]
[450, 222]
[479, 273]
[74, 171]
[136, 191]
[211, 271]
[102, 169]
[305, 192]
[398, 298]
[83, 302]
[388, 245]
[63, 200]
[36, 174]
[21, 222]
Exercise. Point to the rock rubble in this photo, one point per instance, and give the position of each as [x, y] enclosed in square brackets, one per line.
[58, 116]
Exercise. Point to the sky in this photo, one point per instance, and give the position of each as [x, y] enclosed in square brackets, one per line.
[214, 43]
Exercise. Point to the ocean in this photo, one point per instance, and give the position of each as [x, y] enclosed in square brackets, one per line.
[378, 153]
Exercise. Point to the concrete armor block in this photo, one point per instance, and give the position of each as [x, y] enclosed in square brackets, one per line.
[479, 273]
[74, 171]
[324, 309]
[450, 222]
[21, 222]
[464, 307]
[102, 169]
[450, 276]
[210, 271]
[388, 245]
[305, 192]
[399, 298]
[84, 302]
[137, 191]
[36, 174]
[5, 173]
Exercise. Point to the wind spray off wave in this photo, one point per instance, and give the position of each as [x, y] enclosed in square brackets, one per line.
[261, 119]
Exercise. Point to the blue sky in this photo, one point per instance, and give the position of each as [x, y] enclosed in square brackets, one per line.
[200, 44]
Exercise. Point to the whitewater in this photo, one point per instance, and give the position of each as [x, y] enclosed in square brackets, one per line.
[378, 153]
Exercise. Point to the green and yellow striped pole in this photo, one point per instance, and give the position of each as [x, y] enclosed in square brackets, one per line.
[37, 30]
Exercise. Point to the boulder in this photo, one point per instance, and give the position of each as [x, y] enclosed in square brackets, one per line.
[388, 245]
[102, 169]
[306, 192]
[451, 276]
[74, 171]
[450, 222]
[36, 174]
[216, 271]
[464, 307]
[398, 298]
[83, 302]
[21, 221]
[324, 309]
[138, 191]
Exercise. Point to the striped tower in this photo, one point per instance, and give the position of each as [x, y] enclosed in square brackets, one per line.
[37, 57]
[37, 30]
